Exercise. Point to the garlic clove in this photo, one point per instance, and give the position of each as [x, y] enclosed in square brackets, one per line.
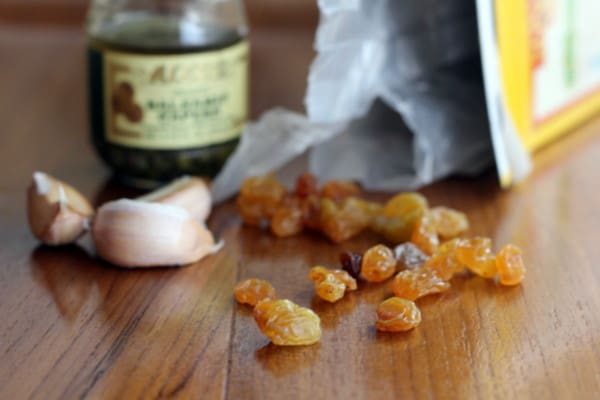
[188, 192]
[57, 213]
[133, 233]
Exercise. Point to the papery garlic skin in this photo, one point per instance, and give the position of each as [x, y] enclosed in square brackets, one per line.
[133, 233]
[57, 213]
[188, 192]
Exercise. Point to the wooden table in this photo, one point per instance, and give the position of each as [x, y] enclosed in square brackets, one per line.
[72, 326]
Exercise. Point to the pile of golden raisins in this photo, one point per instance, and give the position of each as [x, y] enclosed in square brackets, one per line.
[427, 256]
[335, 209]
[418, 274]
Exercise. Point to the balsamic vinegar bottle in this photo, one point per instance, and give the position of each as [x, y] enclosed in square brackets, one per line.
[168, 85]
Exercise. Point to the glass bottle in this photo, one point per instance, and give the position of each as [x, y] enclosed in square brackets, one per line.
[167, 85]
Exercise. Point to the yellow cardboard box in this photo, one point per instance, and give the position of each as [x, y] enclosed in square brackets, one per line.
[541, 62]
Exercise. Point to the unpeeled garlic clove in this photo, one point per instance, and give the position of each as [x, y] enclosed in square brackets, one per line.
[57, 213]
[133, 233]
[188, 192]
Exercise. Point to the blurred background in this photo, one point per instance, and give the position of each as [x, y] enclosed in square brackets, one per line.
[43, 75]
[274, 26]
[546, 68]
[261, 13]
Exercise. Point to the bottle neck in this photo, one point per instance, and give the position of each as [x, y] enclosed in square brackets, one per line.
[188, 22]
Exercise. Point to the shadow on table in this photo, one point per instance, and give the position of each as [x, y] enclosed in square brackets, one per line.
[71, 276]
[68, 273]
[286, 360]
[331, 314]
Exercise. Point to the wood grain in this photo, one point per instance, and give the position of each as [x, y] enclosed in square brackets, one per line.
[72, 326]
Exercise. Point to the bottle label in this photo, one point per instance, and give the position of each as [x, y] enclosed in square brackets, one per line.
[175, 101]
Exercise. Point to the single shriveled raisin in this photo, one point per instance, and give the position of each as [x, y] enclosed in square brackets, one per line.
[394, 229]
[306, 185]
[397, 219]
[252, 185]
[286, 323]
[425, 236]
[449, 223]
[378, 264]
[339, 190]
[369, 207]
[251, 291]
[331, 285]
[259, 198]
[287, 221]
[409, 256]
[317, 273]
[345, 277]
[351, 263]
[444, 260]
[476, 254]
[330, 289]
[342, 221]
[252, 212]
[510, 266]
[413, 284]
[266, 190]
[405, 204]
[397, 315]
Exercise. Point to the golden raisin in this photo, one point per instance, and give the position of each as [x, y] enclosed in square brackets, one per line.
[405, 204]
[398, 218]
[286, 221]
[339, 190]
[266, 190]
[286, 323]
[444, 260]
[340, 222]
[378, 264]
[330, 289]
[251, 291]
[259, 198]
[346, 278]
[318, 273]
[413, 284]
[369, 207]
[253, 213]
[394, 230]
[397, 315]
[449, 223]
[331, 285]
[510, 266]
[425, 236]
[409, 256]
[476, 254]
[264, 186]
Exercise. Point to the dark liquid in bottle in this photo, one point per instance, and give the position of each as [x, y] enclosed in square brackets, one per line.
[156, 36]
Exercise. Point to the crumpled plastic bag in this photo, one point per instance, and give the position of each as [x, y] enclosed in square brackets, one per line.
[276, 139]
[395, 100]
